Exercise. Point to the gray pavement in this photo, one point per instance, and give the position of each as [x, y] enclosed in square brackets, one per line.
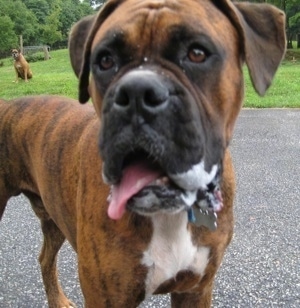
[262, 266]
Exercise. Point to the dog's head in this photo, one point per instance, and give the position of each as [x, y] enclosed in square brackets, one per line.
[15, 53]
[166, 78]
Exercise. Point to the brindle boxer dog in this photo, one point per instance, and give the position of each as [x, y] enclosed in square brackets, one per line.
[165, 78]
[21, 66]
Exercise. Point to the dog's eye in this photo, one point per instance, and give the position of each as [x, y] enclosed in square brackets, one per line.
[197, 55]
[106, 62]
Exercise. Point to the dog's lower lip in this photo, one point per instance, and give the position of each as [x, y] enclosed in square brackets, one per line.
[164, 195]
[161, 181]
[145, 188]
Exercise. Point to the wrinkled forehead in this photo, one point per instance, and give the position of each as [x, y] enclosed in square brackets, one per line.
[155, 20]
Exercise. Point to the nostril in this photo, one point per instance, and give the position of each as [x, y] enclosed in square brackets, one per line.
[154, 98]
[122, 99]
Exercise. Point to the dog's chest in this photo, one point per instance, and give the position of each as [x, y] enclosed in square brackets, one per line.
[171, 250]
[18, 65]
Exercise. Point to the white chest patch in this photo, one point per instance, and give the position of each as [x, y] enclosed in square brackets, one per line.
[171, 250]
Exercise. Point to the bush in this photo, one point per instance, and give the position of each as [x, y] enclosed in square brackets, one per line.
[35, 57]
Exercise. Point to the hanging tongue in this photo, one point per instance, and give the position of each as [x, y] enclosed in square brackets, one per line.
[135, 178]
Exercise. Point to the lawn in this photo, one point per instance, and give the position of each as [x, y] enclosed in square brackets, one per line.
[55, 76]
[283, 93]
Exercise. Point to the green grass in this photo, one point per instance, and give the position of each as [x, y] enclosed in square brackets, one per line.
[283, 93]
[55, 76]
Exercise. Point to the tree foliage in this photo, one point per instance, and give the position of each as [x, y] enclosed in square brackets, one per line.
[39, 21]
[95, 3]
[293, 22]
[50, 31]
[7, 33]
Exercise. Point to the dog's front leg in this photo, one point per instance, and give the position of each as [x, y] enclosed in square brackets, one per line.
[53, 240]
[116, 279]
[25, 74]
[17, 76]
[109, 259]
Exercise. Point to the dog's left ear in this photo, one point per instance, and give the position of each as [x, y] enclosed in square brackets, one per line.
[261, 28]
[84, 74]
[78, 33]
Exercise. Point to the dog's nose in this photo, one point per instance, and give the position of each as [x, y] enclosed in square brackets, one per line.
[141, 92]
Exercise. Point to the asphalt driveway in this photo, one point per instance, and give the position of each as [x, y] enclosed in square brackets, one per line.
[262, 265]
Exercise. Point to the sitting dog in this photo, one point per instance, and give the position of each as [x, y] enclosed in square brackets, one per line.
[166, 82]
[21, 66]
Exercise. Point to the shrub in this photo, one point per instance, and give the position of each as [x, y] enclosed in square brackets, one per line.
[35, 57]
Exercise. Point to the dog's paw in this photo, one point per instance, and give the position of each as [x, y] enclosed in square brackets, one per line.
[62, 302]
[69, 305]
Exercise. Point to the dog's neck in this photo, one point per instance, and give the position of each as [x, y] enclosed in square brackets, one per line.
[171, 250]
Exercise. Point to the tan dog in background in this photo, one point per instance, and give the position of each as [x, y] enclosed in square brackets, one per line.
[167, 101]
[21, 66]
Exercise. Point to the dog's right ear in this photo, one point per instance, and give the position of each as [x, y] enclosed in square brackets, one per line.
[96, 23]
[261, 28]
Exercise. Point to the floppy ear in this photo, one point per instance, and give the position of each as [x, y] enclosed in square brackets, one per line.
[76, 41]
[261, 28]
[105, 11]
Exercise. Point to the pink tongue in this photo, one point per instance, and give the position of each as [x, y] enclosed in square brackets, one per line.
[135, 178]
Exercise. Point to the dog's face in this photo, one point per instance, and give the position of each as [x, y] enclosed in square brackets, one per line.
[161, 74]
[167, 82]
[15, 54]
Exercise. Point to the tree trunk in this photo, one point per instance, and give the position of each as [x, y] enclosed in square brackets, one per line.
[289, 41]
[298, 40]
[21, 44]
[46, 53]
